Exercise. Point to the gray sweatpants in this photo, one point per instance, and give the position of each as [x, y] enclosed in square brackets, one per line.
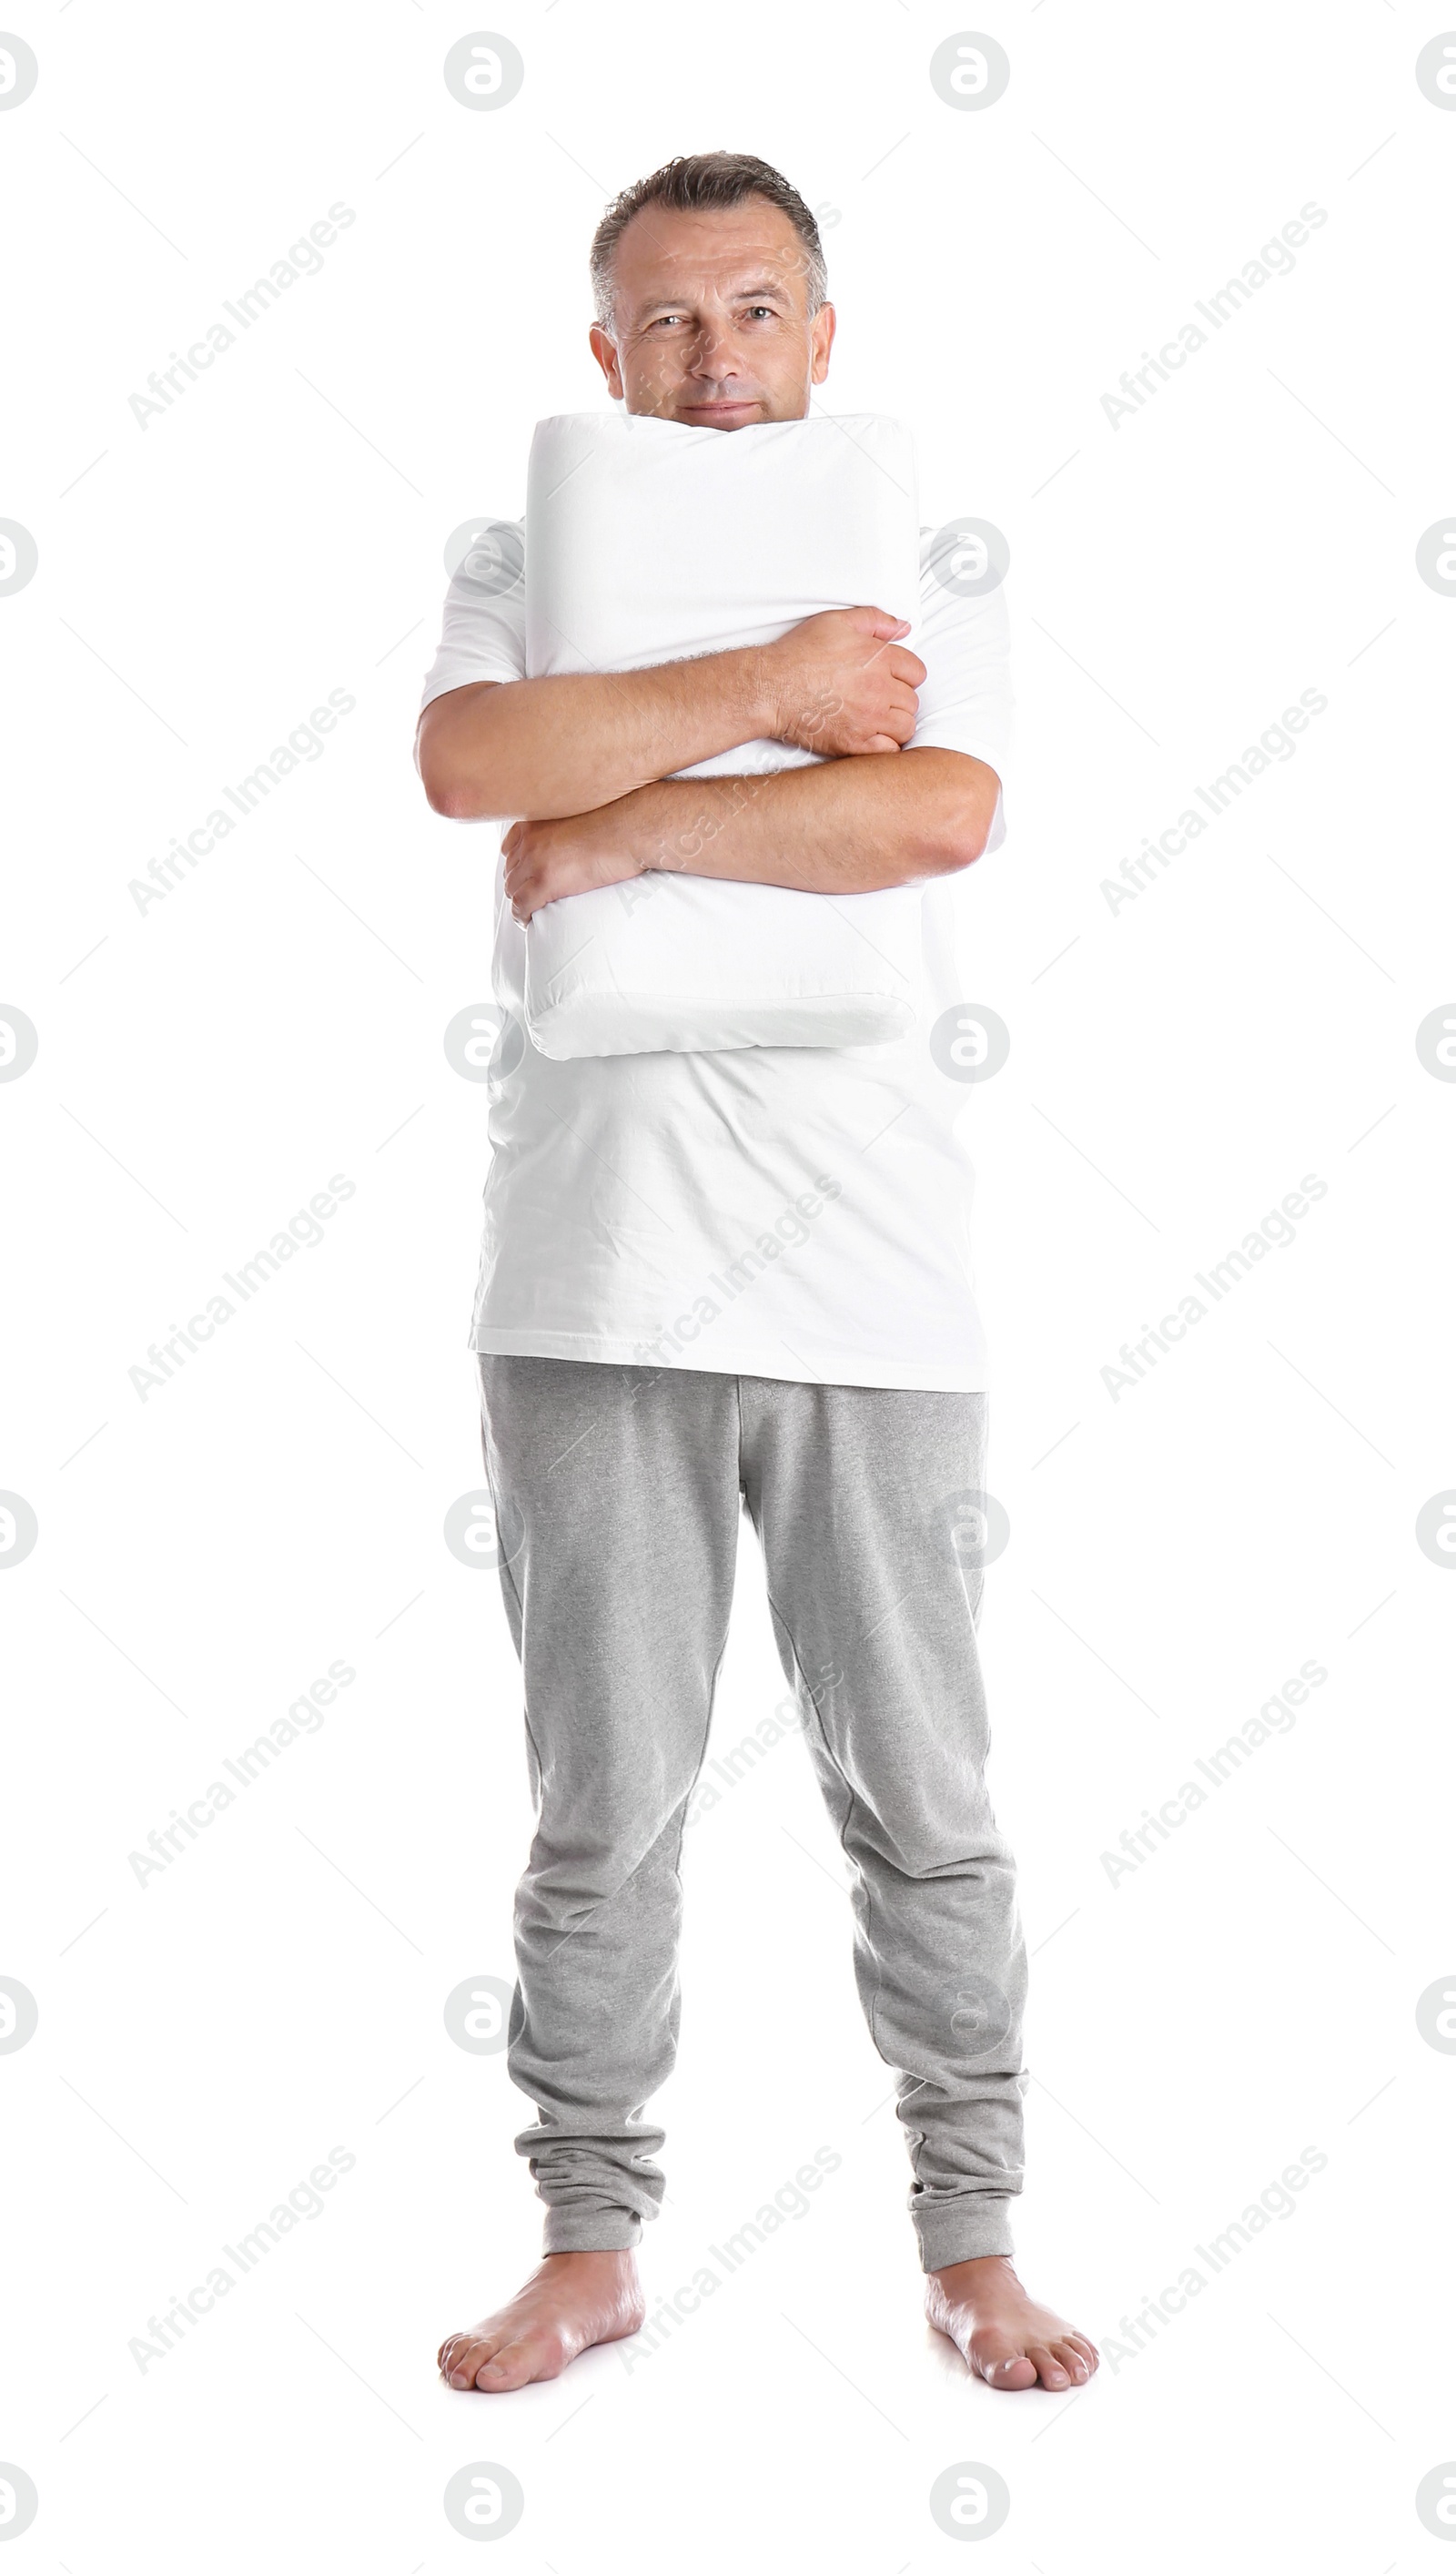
[616, 1494]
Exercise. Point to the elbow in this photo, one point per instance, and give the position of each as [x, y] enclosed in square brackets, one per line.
[958, 839]
[451, 792]
[453, 799]
[452, 770]
[963, 824]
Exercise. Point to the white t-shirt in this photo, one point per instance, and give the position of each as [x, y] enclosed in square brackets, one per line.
[785, 1211]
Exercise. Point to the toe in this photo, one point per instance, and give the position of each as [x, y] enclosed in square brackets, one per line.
[1001, 2363]
[1048, 2368]
[1089, 2349]
[521, 2362]
[467, 2354]
[1077, 2368]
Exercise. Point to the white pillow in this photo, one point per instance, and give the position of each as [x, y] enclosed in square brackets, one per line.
[644, 541]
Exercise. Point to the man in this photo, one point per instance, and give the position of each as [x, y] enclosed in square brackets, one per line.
[840, 1397]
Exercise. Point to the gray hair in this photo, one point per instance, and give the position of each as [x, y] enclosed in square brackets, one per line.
[697, 183]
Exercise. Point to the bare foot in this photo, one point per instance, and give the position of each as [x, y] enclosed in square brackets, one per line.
[1002, 2334]
[572, 2301]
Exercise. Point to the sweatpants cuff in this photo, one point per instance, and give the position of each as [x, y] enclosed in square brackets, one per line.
[590, 2230]
[963, 2229]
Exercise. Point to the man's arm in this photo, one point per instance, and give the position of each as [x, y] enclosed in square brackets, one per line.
[840, 683]
[847, 826]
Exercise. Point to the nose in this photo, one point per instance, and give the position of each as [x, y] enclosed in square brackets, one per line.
[716, 353]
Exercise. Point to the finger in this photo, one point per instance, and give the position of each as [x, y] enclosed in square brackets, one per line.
[882, 741]
[901, 717]
[907, 667]
[880, 622]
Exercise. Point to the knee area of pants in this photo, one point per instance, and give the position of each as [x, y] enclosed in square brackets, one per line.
[935, 1855]
[598, 1865]
[615, 1807]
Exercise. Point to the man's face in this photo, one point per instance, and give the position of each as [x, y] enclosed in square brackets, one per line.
[710, 318]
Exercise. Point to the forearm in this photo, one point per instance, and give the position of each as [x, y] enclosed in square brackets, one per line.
[843, 826]
[545, 748]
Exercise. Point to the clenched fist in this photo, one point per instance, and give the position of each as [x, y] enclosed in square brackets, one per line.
[842, 683]
[572, 854]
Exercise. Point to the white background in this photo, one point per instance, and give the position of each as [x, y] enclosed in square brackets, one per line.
[1177, 1065]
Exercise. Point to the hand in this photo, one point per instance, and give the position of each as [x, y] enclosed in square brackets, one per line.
[842, 683]
[574, 855]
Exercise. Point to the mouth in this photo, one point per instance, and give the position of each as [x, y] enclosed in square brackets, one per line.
[719, 415]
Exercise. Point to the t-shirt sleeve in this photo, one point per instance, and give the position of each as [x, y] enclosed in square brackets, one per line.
[966, 701]
[483, 630]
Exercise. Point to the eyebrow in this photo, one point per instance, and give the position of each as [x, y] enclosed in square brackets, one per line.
[759, 290]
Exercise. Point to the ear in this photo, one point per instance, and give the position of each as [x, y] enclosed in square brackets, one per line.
[822, 340]
[603, 350]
